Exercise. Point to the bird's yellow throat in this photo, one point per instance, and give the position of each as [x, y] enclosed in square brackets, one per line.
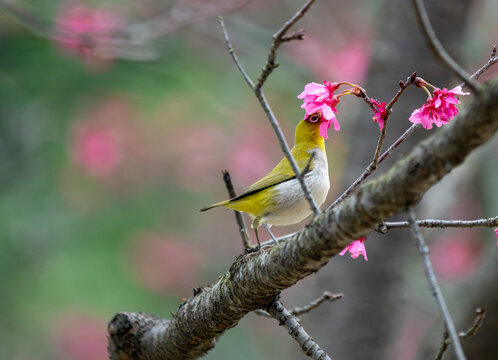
[308, 136]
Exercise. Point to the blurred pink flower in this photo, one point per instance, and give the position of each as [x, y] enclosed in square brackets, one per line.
[455, 256]
[164, 264]
[320, 99]
[356, 248]
[439, 109]
[380, 113]
[98, 149]
[496, 231]
[79, 336]
[84, 30]
[108, 143]
[331, 61]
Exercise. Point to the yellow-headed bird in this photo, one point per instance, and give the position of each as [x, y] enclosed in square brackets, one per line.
[277, 198]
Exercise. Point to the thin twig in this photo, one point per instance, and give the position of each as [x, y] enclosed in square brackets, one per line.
[438, 49]
[476, 325]
[471, 331]
[444, 345]
[485, 67]
[266, 106]
[308, 164]
[369, 170]
[326, 296]
[246, 242]
[262, 312]
[423, 250]
[296, 35]
[430, 223]
[402, 87]
[492, 60]
[380, 142]
[266, 71]
[306, 342]
[234, 55]
[278, 38]
[398, 142]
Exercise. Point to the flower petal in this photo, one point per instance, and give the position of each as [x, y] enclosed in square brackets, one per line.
[356, 248]
[324, 126]
[327, 112]
[458, 91]
[312, 107]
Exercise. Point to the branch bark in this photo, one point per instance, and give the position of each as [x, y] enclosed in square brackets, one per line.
[253, 281]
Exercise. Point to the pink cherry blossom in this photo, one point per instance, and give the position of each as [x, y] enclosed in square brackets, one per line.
[356, 248]
[321, 99]
[439, 109]
[496, 231]
[380, 113]
[426, 115]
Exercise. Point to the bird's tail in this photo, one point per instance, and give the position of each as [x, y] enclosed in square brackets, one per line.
[223, 203]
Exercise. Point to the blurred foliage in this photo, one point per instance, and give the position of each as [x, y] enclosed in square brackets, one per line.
[103, 167]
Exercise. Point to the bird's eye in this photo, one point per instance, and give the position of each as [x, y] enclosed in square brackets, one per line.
[314, 118]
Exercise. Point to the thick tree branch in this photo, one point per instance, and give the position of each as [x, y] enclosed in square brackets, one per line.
[253, 282]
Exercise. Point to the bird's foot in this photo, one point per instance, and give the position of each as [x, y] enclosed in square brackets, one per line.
[256, 250]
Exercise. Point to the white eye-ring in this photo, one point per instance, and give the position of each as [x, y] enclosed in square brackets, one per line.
[314, 118]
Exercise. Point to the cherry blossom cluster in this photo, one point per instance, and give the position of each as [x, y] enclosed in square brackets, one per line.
[321, 100]
[439, 109]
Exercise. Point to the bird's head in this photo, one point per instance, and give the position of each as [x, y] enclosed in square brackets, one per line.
[309, 129]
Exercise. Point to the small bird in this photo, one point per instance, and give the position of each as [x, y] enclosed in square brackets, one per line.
[277, 198]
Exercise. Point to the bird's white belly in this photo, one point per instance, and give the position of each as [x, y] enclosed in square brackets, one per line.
[292, 204]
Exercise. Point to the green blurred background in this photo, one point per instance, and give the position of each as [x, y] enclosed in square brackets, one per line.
[111, 142]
